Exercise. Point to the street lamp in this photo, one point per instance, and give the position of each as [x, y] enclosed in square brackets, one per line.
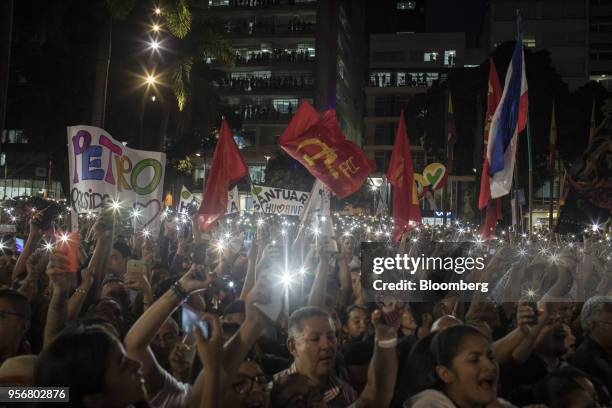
[156, 28]
[157, 11]
[150, 79]
[154, 45]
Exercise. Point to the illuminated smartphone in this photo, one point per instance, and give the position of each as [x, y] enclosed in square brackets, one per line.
[189, 318]
[68, 245]
[19, 243]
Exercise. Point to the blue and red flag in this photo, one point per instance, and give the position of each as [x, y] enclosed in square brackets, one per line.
[509, 120]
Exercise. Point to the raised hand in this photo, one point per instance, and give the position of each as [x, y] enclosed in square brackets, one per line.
[526, 316]
[382, 330]
[196, 279]
[58, 272]
[210, 348]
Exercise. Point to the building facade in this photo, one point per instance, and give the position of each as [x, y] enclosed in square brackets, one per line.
[401, 67]
[560, 26]
[288, 51]
[600, 42]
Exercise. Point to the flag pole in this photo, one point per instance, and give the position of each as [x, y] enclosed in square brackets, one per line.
[552, 166]
[445, 189]
[529, 158]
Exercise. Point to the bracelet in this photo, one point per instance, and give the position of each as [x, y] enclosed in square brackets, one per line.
[180, 293]
[81, 291]
[391, 343]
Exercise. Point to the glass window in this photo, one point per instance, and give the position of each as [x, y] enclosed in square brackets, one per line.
[430, 56]
[406, 5]
[529, 40]
[198, 174]
[401, 79]
[257, 173]
[380, 79]
[449, 58]
[14, 136]
[285, 105]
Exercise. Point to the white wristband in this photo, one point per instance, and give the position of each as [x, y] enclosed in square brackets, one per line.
[391, 343]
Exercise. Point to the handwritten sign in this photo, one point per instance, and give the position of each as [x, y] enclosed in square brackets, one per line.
[272, 200]
[102, 169]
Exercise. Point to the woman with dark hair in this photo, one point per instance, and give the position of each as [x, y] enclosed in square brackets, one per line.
[466, 372]
[94, 364]
[417, 372]
[99, 373]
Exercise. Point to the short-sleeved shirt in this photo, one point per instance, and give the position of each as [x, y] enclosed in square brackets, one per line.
[173, 394]
[337, 394]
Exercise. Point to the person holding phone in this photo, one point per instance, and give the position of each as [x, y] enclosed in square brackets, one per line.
[164, 388]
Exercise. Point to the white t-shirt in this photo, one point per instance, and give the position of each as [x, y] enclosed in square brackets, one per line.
[173, 394]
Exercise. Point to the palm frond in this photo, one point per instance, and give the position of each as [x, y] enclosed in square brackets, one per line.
[207, 41]
[181, 80]
[177, 17]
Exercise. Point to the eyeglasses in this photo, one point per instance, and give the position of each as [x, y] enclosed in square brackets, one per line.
[5, 314]
[245, 383]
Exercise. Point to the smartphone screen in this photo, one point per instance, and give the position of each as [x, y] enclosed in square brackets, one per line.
[189, 318]
[68, 244]
[19, 243]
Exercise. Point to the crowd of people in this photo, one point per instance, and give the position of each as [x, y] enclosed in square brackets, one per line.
[258, 27]
[263, 112]
[271, 82]
[185, 318]
[382, 81]
[260, 3]
[277, 55]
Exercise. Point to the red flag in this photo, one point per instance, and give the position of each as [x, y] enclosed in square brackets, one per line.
[227, 168]
[494, 94]
[406, 211]
[317, 142]
[493, 214]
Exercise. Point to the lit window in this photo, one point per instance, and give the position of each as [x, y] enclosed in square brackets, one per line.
[14, 136]
[257, 173]
[449, 58]
[430, 56]
[529, 41]
[406, 5]
[198, 174]
[285, 105]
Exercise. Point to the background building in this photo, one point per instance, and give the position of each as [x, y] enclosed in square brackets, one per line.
[401, 67]
[288, 51]
[600, 42]
[559, 26]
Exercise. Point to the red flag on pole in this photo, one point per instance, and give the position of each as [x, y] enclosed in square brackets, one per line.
[406, 211]
[317, 142]
[493, 209]
[227, 168]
